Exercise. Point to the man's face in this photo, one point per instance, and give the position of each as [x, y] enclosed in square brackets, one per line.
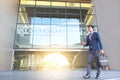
[90, 29]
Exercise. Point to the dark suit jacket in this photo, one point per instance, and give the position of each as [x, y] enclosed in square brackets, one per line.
[95, 43]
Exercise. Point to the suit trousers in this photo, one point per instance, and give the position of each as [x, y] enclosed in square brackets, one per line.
[93, 56]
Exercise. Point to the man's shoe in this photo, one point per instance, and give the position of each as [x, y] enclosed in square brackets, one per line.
[97, 77]
[87, 76]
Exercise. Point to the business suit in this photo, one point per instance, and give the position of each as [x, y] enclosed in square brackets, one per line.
[95, 46]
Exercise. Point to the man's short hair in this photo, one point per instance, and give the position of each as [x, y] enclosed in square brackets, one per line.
[91, 26]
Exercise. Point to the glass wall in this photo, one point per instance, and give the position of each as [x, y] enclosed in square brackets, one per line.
[46, 60]
[53, 24]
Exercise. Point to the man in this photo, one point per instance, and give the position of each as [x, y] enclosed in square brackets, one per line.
[95, 48]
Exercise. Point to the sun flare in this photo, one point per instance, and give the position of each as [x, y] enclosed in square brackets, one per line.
[55, 60]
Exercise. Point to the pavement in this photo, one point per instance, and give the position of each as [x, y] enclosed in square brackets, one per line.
[57, 74]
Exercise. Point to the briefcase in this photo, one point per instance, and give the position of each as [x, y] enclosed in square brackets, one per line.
[103, 60]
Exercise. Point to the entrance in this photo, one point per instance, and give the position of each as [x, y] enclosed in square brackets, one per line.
[44, 60]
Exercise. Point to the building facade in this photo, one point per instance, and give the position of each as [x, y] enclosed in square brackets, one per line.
[45, 34]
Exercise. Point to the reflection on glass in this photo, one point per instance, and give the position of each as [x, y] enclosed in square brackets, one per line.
[60, 21]
[25, 60]
[58, 36]
[41, 38]
[40, 20]
[73, 33]
[23, 36]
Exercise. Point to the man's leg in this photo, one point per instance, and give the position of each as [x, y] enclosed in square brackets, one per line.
[90, 59]
[98, 66]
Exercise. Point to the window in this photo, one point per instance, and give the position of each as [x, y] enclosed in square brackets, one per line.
[53, 24]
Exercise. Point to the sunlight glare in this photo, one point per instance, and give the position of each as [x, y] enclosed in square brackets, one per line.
[55, 60]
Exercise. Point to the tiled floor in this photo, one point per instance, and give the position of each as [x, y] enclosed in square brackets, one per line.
[75, 74]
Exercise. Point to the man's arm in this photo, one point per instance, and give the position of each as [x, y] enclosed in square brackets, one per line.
[100, 43]
[86, 43]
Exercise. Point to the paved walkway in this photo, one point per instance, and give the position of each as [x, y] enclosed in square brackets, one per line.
[75, 74]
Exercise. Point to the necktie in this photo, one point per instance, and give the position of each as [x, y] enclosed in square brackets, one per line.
[90, 36]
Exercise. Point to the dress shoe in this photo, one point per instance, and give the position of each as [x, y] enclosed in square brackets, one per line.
[97, 77]
[87, 76]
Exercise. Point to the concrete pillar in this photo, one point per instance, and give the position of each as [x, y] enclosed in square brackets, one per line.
[108, 18]
[8, 15]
